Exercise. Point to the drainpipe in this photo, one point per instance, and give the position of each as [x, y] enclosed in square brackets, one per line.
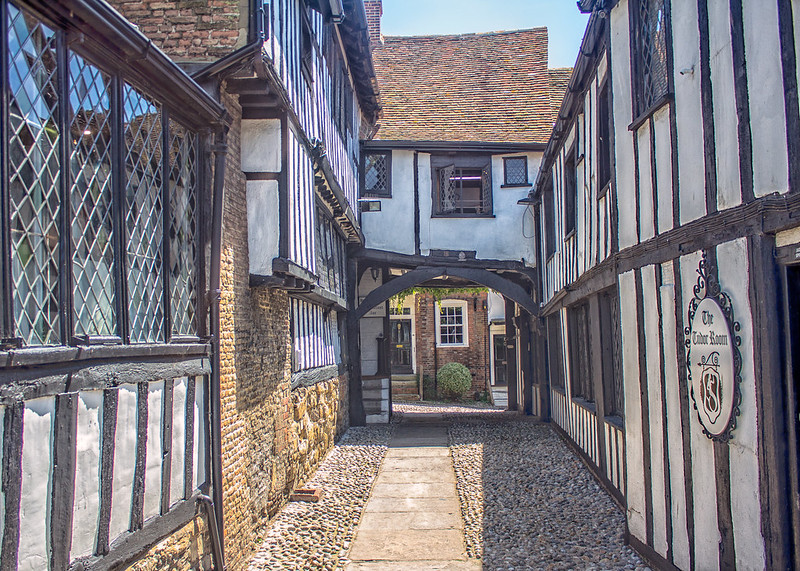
[220, 150]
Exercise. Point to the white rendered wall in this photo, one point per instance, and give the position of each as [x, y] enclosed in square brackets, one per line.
[392, 229]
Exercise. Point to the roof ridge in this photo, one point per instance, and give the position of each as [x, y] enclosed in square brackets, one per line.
[468, 34]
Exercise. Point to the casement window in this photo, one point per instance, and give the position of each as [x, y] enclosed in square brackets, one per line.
[339, 94]
[570, 193]
[603, 139]
[613, 396]
[461, 186]
[451, 323]
[580, 353]
[97, 249]
[307, 46]
[649, 21]
[515, 171]
[555, 356]
[331, 257]
[376, 174]
[315, 336]
[549, 206]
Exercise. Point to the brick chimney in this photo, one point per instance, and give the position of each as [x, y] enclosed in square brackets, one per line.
[374, 10]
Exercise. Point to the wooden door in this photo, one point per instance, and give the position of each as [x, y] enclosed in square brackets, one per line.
[401, 346]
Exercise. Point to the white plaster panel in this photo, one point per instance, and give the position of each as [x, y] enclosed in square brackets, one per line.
[732, 259]
[767, 112]
[263, 225]
[704, 489]
[602, 67]
[371, 328]
[154, 454]
[261, 145]
[633, 408]
[726, 134]
[37, 455]
[200, 422]
[663, 161]
[176, 487]
[124, 461]
[646, 206]
[623, 141]
[425, 200]
[86, 510]
[672, 408]
[652, 342]
[688, 111]
[392, 228]
[788, 237]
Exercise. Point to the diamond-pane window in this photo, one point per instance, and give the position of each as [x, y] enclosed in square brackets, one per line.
[464, 190]
[376, 175]
[93, 267]
[143, 216]
[515, 170]
[651, 80]
[183, 229]
[34, 173]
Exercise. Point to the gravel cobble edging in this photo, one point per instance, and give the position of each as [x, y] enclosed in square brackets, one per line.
[529, 503]
[319, 535]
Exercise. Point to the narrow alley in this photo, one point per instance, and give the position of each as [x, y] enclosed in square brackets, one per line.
[473, 471]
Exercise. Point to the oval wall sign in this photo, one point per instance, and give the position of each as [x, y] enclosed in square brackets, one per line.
[713, 357]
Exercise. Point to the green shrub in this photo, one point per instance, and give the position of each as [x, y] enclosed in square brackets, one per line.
[453, 379]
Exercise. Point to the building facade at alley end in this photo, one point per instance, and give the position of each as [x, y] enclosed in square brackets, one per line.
[207, 206]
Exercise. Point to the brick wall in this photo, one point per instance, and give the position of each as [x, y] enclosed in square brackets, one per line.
[475, 356]
[190, 30]
[374, 9]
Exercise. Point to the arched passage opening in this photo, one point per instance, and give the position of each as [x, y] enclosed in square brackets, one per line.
[519, 301]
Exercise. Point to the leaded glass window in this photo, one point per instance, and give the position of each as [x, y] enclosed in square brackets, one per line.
[183, 229]
[376, 175]
[83, 241]
[34, 168]
[515, 171]
[464, 190]
[651, 82]
[143, 216]
[93, 266]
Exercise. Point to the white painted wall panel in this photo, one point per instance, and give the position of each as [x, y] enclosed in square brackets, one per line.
[704, 487]
[767, 111]
[623, 141]
[124, 461]
[199, 468]
[392, 228]
[86, 511]
[261, 145]
[178, 439]
[732, 258]
[152, 474]
[655, 421]
[263, 225]
[672, 410]
[633, 407]
[729, 191]
[646, 206]
[663, 162]
[688, 111]
[37, 454]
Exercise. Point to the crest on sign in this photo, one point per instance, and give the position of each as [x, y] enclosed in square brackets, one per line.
[712, 355]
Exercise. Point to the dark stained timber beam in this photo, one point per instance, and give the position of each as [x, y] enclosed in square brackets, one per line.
[137, 504]
[166, 444]
[110, 400]
[12, 483]
[188, 461]
[63, 493]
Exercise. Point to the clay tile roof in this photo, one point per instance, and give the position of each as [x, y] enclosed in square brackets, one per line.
[492, 87]
[559, 79]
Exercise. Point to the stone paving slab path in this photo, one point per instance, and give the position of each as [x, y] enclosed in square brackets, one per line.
[412, 520]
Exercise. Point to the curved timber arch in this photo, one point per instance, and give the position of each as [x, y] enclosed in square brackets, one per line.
[420, 275]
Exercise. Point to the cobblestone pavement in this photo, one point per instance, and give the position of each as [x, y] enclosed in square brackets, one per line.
[526, 500]
[318, 535]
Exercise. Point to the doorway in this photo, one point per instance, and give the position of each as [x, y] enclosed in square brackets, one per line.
[401, 359]
[500, 360]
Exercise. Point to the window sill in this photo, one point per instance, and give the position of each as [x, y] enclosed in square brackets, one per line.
[372, 196]
[585, 404]
[463, 216]
[454, 346]
[616, 421]
[520, 185]
[650, 111]
[604, 190]
[570, 234]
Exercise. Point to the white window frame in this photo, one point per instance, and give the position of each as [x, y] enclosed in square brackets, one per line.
[464, 322]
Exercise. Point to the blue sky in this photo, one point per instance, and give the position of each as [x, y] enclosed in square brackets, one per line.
[422, 17]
